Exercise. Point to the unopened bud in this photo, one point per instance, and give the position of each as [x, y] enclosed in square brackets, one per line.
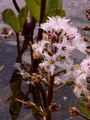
[73, 111]
[70, 82]
[54, 107]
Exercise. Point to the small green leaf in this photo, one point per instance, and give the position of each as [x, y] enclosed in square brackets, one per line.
[54, 7]
[22, 16]
[10, 18]
[61, 13]
[53, 4]
[38, 2]
[84, 109]
[34, 8]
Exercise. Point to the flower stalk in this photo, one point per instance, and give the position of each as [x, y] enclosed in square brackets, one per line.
[18, 48]
[50, 91]
[32, 105]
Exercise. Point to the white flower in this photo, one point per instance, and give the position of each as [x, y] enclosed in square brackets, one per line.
[79, 90]
[57, 80]
[72, 72]
[51, 62]
[70, 37]
[80, 45]
[80, 85]
[39, 47]
[64, 47]
[73, 34]
[55, 24]
[85, 66]
[74, 39]
[81, 79]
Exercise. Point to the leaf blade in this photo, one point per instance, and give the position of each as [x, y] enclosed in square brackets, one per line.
[22, 16]
[34, 8]
[54, 7]
[84, 109]
[10, 18]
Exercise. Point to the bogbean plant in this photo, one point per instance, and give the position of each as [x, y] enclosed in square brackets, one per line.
[50, 38]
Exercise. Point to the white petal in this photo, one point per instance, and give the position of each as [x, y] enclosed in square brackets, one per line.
[52, 68]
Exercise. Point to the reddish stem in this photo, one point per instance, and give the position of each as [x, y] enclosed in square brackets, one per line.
[50, 91]
[42, 14]
[50, 97]
[18, 48]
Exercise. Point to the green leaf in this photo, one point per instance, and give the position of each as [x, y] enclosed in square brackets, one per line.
[22, 16]
[38, 2]
[54, 7]
[10, 18]
[61, 12]
[84, 109]
[34, 8]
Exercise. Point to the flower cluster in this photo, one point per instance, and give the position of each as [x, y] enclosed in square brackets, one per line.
[81, 83]
[59, 39]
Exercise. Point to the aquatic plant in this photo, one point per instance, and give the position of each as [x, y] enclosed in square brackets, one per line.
[45, 59]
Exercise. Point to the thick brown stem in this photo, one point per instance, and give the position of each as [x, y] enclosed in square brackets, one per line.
[48, 115]
[43, 7]
[50, 97]
[50, 91]
[28, 30]
[18, 48]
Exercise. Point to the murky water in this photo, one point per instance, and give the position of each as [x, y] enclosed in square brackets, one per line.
[10, 83]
